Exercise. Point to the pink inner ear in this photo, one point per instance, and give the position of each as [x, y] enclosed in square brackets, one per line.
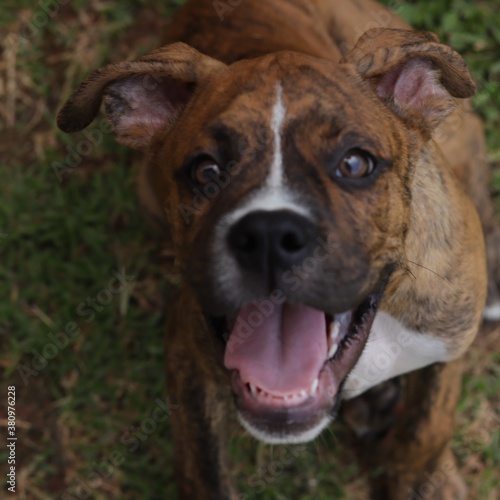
[140, 105]
[152, 101]
[412, 85]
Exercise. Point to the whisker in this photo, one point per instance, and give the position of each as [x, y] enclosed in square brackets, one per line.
[407, 270]
[431, 271]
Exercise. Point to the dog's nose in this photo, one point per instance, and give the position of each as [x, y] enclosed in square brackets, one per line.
[270, 242]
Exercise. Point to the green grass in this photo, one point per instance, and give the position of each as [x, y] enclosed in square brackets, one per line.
[61, 241]
[473, 29]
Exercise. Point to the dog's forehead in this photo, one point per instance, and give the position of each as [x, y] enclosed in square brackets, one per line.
[305, 81]
[307, 100]
[313, 92]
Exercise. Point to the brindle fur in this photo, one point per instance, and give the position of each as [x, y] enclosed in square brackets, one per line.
[439, 283]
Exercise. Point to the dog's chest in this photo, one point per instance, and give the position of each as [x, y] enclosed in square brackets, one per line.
[392, 349]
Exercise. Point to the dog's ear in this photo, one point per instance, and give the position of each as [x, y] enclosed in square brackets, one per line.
[142, 96]
[414, 74]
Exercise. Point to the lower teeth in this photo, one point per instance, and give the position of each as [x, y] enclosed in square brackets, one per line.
[333, 350]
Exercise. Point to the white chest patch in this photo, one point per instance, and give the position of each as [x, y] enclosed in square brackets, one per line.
[492, 312]
[391, 350]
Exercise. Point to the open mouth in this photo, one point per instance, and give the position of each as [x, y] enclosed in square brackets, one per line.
[288, 363]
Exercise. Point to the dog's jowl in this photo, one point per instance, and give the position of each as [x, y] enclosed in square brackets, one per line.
[309, 178]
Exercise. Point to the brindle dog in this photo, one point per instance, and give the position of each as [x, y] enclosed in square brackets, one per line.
[326, 196]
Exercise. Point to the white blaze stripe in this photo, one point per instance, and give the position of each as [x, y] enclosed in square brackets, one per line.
[275, 179]
[273, 195]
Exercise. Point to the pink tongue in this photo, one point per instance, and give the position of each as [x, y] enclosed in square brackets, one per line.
[278, 348]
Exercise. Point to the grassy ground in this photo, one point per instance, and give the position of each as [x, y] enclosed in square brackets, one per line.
[81, 277]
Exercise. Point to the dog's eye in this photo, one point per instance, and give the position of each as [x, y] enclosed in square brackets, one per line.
[205, 171]
[355, 164]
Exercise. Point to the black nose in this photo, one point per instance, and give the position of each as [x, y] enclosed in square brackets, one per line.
[271, 242]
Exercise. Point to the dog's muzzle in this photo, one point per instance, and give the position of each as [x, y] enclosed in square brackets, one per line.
[288, 359]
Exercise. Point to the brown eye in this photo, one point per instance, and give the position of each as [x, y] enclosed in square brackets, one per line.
[355, 164]
[205, 171]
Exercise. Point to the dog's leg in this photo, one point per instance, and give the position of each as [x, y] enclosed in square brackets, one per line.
[199, 411]
[416, 458]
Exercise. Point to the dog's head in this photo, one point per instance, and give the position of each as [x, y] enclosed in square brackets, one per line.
[287, 188]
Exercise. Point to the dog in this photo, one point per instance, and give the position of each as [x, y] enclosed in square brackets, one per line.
[323, 180]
